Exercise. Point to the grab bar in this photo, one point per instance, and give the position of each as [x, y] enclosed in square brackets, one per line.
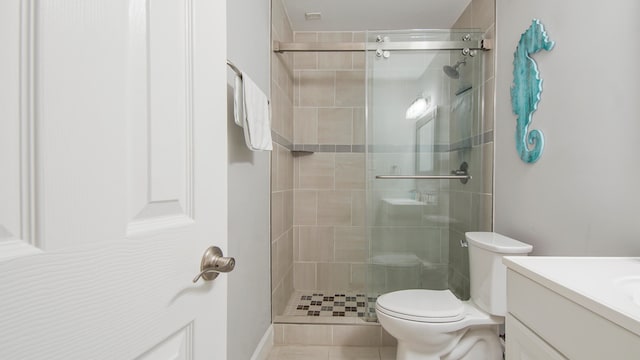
[460, 174]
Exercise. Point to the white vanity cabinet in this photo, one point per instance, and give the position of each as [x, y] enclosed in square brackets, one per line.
[572, 308]
[524, 344]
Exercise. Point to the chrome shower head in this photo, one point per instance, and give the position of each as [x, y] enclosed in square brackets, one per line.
[452, 71]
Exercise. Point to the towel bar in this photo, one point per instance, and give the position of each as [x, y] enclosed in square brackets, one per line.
[234, 68]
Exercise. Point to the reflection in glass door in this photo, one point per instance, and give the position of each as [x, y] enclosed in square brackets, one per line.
[421, 106]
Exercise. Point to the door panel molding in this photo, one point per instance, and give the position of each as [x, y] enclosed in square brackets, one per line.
[156, 217]
[28, 151]
[18, 225]
[178, 346]
[167, 85]
[160, 148]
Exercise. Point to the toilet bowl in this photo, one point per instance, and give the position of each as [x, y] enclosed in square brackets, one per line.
[422, 335]
[434, 324]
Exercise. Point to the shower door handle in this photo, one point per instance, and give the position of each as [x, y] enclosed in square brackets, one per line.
[460, 174]
[424, 177]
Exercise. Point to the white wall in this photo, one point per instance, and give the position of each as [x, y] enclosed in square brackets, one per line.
[583, 196]
[249, 295]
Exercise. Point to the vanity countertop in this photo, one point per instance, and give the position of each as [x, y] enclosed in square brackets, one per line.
[607, 286]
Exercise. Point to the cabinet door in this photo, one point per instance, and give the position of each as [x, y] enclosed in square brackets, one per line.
[523, 344]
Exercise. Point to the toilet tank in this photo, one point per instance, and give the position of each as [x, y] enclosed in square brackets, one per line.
[488, 276]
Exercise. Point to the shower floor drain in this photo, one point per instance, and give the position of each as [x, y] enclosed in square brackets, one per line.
[331, 304]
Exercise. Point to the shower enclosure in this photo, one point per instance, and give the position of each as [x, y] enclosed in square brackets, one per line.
[421, 108]
[424, 173]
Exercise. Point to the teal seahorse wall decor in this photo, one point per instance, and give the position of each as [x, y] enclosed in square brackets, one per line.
[526, 90]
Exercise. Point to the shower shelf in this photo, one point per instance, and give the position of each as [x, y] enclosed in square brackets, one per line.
[302, 152]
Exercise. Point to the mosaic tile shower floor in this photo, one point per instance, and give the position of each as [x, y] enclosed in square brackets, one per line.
[330, 304]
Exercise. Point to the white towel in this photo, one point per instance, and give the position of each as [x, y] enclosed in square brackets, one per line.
[238, 103]
[257, 124]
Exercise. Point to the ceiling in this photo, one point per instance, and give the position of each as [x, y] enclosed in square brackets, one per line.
[359, 15]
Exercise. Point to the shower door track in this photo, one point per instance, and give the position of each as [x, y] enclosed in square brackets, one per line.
[280, 47]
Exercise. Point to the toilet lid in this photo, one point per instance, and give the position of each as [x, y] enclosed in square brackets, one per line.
[422, 305]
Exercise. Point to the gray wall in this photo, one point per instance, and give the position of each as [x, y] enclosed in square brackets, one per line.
[582, 196]
[249, 295]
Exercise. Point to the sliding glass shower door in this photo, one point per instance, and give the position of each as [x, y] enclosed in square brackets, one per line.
[421, 106]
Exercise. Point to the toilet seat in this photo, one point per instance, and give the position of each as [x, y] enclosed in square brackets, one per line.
[429, 306]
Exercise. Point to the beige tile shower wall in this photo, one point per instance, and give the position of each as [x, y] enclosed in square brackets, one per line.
[329, 240]
[471, 205]
[329, 92]
[281, 164]
[330, 251]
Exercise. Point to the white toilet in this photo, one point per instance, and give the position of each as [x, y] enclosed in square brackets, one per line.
[434, 324]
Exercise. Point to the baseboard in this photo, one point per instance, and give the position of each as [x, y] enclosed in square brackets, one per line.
[362, 334]
[264, 346]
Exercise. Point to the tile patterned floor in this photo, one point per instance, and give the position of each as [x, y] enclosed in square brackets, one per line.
[330, 304]
[299, 352]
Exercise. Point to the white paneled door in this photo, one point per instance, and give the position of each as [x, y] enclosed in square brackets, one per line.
[112, 178]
